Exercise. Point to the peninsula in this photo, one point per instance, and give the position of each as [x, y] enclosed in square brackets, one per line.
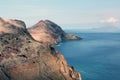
[27, 54]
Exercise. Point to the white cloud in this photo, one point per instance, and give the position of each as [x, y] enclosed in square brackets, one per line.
[110, 20]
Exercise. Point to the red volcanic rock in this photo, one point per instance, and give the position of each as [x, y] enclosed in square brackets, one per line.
[23, 58]
[49, 32]
[11, 26]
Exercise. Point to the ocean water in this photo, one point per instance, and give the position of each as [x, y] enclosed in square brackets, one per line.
[96, 57]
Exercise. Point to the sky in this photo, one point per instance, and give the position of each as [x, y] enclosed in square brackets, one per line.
[69, 14]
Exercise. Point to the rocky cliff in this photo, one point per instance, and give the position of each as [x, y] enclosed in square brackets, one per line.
[49, 32]
[23, 58]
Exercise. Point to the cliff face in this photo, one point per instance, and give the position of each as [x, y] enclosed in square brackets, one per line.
[49, 32]
[23, 58]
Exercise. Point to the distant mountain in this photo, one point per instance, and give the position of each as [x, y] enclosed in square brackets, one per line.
[106, 28]
[49, 32]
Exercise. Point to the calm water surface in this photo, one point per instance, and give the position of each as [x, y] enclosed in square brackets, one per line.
[97, 56]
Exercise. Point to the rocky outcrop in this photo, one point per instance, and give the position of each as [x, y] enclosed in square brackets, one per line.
[49, 32]
[23, 58]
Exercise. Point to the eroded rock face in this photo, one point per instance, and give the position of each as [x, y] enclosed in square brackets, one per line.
[23, 58]
[11, 26]
[49, 32]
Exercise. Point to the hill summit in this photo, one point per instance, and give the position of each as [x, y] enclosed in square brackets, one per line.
[49, 32]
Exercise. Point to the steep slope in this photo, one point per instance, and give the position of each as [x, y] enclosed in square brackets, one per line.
[23, 58]
[49, 32]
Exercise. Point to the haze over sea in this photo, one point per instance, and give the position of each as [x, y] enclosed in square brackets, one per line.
[96, 57]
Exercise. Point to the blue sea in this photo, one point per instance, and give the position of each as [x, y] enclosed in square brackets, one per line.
[96, 57]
